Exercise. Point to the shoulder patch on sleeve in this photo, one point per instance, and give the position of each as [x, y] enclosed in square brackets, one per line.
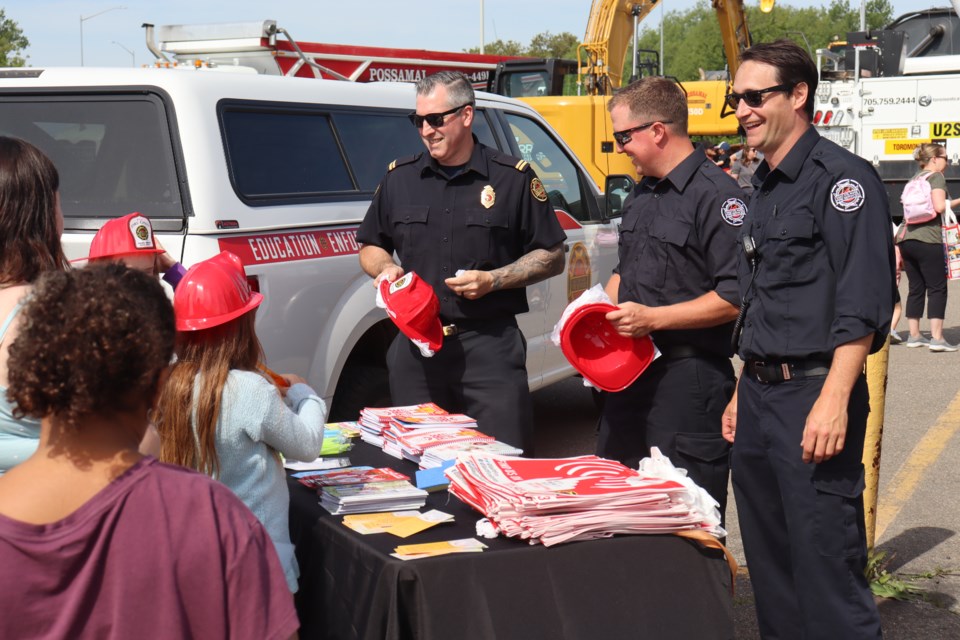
[733, 211]
[402, 161]
[537, 189]
[847, 195]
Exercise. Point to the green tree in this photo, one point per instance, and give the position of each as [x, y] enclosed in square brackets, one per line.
[547, 45]
[542, 45]
[692, 38]
[12, 42]
[500, 48]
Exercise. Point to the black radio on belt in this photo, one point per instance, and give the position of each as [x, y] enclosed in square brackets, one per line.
[750, 251]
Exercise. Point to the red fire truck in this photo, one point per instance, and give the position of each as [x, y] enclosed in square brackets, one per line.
[258, 45]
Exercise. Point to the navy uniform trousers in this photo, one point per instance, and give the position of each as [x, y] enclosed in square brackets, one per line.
[802, 524]
[675, 405]
[480, 371]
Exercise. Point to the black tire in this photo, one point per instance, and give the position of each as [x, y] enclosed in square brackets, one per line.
[359, 386]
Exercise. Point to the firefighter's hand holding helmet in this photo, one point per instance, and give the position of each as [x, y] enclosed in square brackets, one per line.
[633, 320]
[391, 273]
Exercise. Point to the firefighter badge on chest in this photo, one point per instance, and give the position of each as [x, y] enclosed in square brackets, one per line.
[487, 197]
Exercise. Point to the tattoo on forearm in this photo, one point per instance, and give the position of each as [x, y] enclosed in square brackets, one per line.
[535, 266]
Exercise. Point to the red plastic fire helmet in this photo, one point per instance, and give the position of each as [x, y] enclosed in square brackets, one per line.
[606, 359]
[413, 306]
[213, 292]
[131, 234]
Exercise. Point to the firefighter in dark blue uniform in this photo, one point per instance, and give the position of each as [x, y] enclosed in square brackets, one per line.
[676, 280]
[476, 225]
[818, 292]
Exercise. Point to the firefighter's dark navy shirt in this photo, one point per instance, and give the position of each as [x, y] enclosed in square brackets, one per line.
[438, 224]
[826, 268]
[678, 241]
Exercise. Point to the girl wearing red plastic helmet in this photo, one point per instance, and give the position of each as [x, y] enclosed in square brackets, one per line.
[129, 239]
[219, 415]
[30, 226]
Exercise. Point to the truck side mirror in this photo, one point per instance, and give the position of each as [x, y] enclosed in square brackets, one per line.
[616, 190]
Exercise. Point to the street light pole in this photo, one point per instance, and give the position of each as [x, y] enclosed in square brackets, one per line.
[133, 57]
[84, 19]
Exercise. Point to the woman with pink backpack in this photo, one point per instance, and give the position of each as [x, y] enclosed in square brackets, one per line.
[920, 242]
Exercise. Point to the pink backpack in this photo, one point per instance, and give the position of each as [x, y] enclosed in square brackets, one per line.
[916, 200]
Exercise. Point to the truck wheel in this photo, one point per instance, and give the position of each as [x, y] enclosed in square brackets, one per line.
[359, 386]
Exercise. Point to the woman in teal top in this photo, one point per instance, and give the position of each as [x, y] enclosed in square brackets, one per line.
[30, 226]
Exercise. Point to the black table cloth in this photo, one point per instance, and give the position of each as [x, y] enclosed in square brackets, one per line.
[656, 587]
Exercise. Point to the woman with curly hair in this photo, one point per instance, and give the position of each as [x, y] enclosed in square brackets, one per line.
[30, 226]
[97, 540]
[218, 414]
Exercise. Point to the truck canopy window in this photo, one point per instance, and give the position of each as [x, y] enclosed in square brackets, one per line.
[288, 153]
[283, 154]
[113, 153]
[373, 140]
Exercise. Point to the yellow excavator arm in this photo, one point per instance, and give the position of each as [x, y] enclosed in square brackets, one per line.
[605, 44]
[610, 31]
[733, 30]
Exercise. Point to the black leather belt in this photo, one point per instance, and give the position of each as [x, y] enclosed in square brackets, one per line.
[774, 372]
[458, 327]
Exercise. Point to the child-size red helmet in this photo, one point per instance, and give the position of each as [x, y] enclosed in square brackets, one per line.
[413, 306]
[131, 234]
[213, 292]
[608, 360]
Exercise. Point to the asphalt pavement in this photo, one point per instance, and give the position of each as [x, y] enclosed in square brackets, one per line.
[918, 512]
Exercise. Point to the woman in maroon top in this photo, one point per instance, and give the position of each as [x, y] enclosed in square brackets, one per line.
[97, 540]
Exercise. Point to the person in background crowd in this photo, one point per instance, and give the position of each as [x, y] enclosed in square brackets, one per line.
[219, 415]
[743, 168]
[676, 280]
[921, 246]
[897, 307]
[477, 226]
[817, 297]
[129, 239]
[97, 540]
[722, 158]
[31, 223]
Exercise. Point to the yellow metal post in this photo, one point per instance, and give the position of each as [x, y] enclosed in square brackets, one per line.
[877, 384]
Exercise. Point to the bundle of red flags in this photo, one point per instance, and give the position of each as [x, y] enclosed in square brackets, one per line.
[565, 499]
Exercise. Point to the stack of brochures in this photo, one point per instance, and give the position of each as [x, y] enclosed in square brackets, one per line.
[374, 420]
[561, 500]
[350, 475]
[364, 490]
[411, 443]
[337, 441]
[435, 456]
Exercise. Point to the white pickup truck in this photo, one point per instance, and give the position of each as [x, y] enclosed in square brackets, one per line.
[280, 171]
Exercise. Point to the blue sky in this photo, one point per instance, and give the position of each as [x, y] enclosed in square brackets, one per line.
[114, 38]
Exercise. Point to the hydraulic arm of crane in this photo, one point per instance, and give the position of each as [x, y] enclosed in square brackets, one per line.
[610, 30]
[605, 44]
[733, 30]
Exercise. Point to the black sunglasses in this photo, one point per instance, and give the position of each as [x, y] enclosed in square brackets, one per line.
[623, 138]
[435, 120]
[753, 98]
